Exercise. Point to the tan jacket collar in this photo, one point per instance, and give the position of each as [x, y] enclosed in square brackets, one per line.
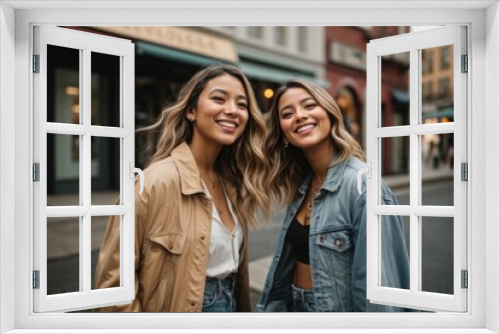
[190, 175]
[188, 169]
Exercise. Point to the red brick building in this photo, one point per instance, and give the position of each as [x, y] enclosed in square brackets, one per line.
[346, 73]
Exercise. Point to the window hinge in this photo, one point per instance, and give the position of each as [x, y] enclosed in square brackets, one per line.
[465, 64]
[465, 279]
[36, 172]
[36, 63]
[464, 171]
[36, 279]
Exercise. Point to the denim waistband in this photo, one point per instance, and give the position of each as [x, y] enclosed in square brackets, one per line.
[220, 283]
[304, 295]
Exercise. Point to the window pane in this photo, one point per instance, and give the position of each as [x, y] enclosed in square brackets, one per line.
[302, 39]
[63, 255]
[437, 169]
[437, 254]
[105, 153]
[280, 35]
[395, 94]
[63, 89]
[63, 170]
[395, 250]
[255, 32]
[437, 84]
[107, 253]
[395, 166]
[105, 88]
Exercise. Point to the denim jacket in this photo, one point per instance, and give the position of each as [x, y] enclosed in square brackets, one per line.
[337, 248]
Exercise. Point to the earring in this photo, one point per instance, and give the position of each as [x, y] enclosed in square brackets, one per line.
[286, 144]
[190, 119]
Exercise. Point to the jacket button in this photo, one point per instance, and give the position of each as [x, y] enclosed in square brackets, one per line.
[202, 237]
[170, 245]
[193, 304]
[338, 242]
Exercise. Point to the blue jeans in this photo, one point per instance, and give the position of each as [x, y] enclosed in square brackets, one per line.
[303, 300]
[219, 295]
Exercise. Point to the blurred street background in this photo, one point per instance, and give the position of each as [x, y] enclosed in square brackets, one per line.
[166, 57]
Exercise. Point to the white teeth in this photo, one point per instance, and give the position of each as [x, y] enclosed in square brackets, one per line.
[231, 125]
[305, 128]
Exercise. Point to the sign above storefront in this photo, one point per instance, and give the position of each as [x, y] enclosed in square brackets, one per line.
[346, 55]
[180, 38]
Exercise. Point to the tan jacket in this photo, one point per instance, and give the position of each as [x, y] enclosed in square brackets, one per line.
[172, 237]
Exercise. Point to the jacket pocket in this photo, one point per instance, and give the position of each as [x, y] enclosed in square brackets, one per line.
[335, 252]
[339, 241]
[161, 261]
[172, 242]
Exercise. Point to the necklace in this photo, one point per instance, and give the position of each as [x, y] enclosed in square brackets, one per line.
[218, 206]
[310, 202]
[212, 181]
[221, 212]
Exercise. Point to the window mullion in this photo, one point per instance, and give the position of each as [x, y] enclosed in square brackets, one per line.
[85, 114]
[415, 171]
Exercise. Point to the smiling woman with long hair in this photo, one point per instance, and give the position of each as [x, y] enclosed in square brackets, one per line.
[320, 259]
[203, 186]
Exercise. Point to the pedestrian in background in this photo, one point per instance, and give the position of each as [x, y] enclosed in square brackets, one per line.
[319, 262]
[202, 188]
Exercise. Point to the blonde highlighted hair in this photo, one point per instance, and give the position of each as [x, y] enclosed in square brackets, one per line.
[241, 164]
[288, 167]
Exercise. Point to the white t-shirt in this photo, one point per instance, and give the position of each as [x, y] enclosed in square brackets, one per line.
[224, 249]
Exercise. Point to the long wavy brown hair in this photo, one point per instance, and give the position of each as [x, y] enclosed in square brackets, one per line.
[242, 164]
[288, 167]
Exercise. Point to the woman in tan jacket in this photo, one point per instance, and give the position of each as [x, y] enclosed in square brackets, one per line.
[202, 188]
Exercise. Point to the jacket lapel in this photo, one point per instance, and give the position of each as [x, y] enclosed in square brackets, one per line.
[188, 170]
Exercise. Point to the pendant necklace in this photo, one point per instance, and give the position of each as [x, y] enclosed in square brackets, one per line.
[212, 183]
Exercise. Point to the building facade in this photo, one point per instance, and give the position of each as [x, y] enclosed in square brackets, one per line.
[166, 58]
[345, 48]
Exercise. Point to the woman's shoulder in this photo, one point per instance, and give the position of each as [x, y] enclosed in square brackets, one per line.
[353, 165]
[161, 171]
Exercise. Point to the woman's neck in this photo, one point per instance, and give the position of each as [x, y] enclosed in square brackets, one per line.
[319, 159]
[205, 156]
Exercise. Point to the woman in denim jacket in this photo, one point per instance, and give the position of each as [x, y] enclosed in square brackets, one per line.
[319, 263]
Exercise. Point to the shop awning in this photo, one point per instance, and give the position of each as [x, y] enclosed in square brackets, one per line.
[400, 96]
[179, 56]
[267, 73]
[252, 70]
[445, 112]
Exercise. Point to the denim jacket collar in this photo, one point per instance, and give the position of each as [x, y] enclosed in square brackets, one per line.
[332, 180]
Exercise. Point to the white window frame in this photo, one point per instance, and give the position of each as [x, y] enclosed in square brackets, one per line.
[483, 20]
[413, 43]
[86, 44]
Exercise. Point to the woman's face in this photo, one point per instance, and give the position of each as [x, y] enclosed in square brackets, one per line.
[221, 112]
[305, 124]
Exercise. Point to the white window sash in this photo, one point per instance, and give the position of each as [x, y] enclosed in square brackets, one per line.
[85, 298]
[414, 298]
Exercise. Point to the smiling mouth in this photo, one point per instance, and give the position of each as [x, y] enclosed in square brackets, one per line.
[227, 124]
[305, 128]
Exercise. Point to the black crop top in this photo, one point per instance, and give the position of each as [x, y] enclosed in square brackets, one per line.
[298, 237]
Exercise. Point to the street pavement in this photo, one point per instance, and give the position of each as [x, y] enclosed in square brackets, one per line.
[63, 238]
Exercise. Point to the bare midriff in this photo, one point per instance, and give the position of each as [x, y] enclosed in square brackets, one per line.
[302, 277]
